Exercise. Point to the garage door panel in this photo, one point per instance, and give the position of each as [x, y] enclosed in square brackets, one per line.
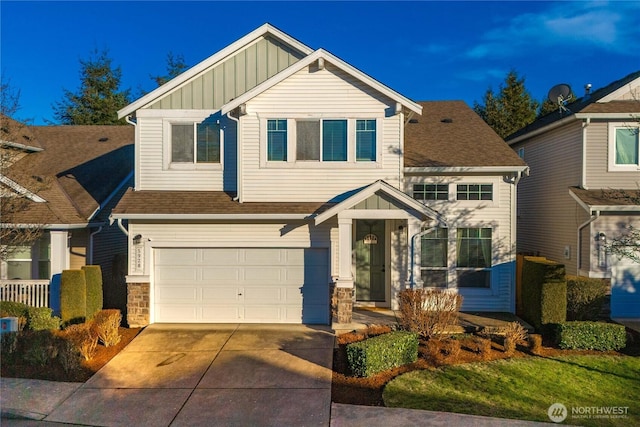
[241, 285]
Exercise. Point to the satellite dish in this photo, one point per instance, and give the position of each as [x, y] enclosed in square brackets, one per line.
[560, 94]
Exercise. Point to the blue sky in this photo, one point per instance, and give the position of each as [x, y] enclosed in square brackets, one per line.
[424, 50]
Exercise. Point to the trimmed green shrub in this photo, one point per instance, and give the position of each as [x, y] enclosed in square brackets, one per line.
[585, 297]
[39, 318]
[13, 309]
[383, 352]
[93, 276]
[591, 336]
[544, 292]
[40, 347]
[73, 296]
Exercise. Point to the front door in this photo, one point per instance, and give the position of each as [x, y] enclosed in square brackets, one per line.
[370, 260]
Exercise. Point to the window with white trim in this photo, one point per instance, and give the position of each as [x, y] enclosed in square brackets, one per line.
[28, 262]
[431, 191]
[365, 140]
[434, 258]
[474, 192]
[474, 257]
[277, 140]
[626, 146]
[321, 140]
[195, 142]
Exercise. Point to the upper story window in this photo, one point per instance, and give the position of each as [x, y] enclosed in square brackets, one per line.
[321, 140]
[431, 191]
[195, 143]
[365, 140]
[627, 147]
[474, 192]
[277, 140]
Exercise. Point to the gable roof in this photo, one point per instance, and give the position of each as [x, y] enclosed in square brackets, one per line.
[411, 204]
[600, 101]
[323, 55]
[449, 134]
[260, 32]
[76, 172]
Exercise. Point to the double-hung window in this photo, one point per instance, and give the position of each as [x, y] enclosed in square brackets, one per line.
[473, 247]
[365, 140]
[434, 258]
[321, 140]
[431, 191]
[626, 147]
[195, 142]
[277, 140]
[474, 192]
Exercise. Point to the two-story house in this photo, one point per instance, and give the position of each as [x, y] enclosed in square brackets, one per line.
[58, 185]
[277, 183]
[584, 185]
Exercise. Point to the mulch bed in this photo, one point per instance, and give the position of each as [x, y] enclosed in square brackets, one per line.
[346, 388]
[54, 371]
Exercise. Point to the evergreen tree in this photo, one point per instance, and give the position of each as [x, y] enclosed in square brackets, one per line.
[99, 97]
[175, 67]
[510, 109]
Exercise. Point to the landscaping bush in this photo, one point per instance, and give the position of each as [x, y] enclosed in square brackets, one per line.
[591, 336]
[93, 277]
[68, 355]
[535, 343]
[73, 296]
[383, 352]
[39, 318]
[83, 338]
[13, 309]
[441, 350]
[39, 347]
[544, 293]
[513, 334]
[428, 312]
[481, 346]
[8, 346]
[106, 324]
[585, 297]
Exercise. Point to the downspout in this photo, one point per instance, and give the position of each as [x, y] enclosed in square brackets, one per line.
[594, 216]
[90, 255]
[121, 227]
[412, 279]
[585, 124]
[238, 159]
[514, 233]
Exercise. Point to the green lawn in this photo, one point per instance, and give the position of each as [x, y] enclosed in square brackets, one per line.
[525, 388]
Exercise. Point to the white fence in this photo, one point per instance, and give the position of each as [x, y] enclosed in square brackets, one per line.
[34, 293]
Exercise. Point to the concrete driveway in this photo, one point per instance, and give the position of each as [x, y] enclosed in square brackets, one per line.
[186, 375]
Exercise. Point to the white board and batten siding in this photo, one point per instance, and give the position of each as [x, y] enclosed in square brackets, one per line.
[328, 94]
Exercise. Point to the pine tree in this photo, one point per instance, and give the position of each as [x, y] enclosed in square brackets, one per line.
[175, 67]
[99, 97]
[509, 110]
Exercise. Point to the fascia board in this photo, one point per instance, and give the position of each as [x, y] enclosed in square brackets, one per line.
[543, 129]
[608, 116]
[604, 208]
[620, 91]
[492, 170]
[209, 62]
[210, 217]
[305, 62]
[21, 190]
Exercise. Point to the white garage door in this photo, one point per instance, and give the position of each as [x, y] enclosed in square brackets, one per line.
[249, 285]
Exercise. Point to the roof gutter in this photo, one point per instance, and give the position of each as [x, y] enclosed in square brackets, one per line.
[207, 217]
[51, 226]
[469, 169]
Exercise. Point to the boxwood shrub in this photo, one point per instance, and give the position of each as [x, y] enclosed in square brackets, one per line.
[544, 293]
[585, 297]
[383, 352]
[591, 336]
[73, 296]
[36, 318]
[93, 276]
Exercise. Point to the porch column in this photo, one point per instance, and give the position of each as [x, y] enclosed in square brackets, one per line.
[414, 228]
[59, 251]
[342, 299]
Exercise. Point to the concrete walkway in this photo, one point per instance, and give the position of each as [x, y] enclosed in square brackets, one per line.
[258, 375]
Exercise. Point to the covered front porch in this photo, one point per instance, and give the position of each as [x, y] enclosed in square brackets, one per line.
[378, 227]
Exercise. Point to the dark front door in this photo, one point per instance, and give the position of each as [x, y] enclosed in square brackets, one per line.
[370, 260]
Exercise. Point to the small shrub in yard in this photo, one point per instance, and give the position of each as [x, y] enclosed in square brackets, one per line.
[83, 338]
[591, 336]
[585, 297]
[428, 312]
[481, 346]
[39, 347]
[513, 334]
[535, 343]
[39, 318]
[73, 296]
[8, 346]
[382, 352]
[68, 355]
[106, 324]
[441, 350]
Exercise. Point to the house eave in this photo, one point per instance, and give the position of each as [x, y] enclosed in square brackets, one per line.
[52, 226]
[607, 116]
[543, 129]
[464, 169]
[209, 217]
[603, 208]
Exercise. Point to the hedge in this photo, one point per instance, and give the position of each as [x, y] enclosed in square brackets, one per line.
[73, 296]
[383, 352]
[544, 292]
[37, 318]
[93, 275]
[591, 336]
[585, 297]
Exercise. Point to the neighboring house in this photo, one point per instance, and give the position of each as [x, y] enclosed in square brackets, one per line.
[68, 179]
[277, 183]
[585, 170]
